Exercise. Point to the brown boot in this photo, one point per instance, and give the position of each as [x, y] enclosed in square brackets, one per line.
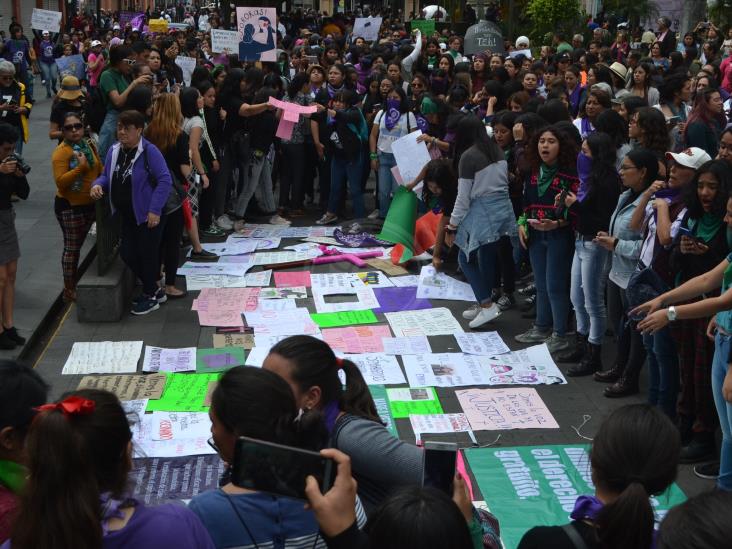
[625, 386]
[609, 376]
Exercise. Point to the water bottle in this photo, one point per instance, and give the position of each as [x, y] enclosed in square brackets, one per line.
[73, 163]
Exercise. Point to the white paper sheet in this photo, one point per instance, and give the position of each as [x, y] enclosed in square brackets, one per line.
[438, 423]
[482, 343]
[239, 247]
[256, 357]
[446, 370]
[273, 258]
[426, 322]
[434, 285]
[160, 359]
[135, 408]
[230, 269]
[103, 357]
[379, 368]
[410, 156]
[530, 366]
[262, 278]
[333, 281]
[416, 345]
[294, 322]
[406, 280]
[180, 425]
[200, 281]
[173, 448]
[365, 299]
[276, 305]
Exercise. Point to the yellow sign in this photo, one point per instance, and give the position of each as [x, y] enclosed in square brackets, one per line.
[158, 25]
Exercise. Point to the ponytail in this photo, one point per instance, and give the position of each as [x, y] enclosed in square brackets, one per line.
[73, 457]
[628, 521]
[315, 365]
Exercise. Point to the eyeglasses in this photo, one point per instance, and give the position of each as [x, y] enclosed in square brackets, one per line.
[626, 168]
[417, 85]
[73, 127]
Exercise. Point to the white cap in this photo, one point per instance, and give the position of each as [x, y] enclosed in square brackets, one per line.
[46, 33]
[95, 43]
[116, 27]
[522, 42]
[693, 157]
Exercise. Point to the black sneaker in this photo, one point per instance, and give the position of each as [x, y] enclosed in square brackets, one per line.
[708, 471]
[145, 304]
[203, 255]
[700, 449]
[6, 344]
[14, 335]
[160, 296]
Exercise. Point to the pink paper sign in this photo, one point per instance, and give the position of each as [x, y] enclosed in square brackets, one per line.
[500, 409]
[292, 279]
[357, 339]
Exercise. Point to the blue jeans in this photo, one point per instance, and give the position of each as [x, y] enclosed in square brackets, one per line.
[341, 172]
[550, 253]
[480, 270]
[387, 183]
[663, 371]
[589, 276]
[107, 134]
[50, 75]
[724, 408]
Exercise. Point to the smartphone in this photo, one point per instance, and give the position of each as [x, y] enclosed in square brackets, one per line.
[685, 231]
[278, 469]
[673, 121]
[534, 222]
[440, 459]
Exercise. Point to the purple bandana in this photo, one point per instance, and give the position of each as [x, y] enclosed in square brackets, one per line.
[330, 413]
[589, 508]
[584, 165]
[422, 123]
[392, 113]
[111, 509]
[360, 240]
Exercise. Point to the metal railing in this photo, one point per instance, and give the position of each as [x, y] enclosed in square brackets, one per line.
[108, 236]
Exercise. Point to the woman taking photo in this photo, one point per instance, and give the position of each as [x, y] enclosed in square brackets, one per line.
[12, 182]
[482, 214]
[392, 122]
[706, 121]
[642, 84]
[138, 184]
[76, 165]
[547, 233]
[594, 203]
[79, 455]
[638, 170]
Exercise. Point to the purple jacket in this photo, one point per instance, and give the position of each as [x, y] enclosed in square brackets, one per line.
[145, 197]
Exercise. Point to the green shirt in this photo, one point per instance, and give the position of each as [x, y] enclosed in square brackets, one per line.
[564, 47]
[111, 80]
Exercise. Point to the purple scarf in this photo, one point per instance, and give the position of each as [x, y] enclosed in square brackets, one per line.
[330, 414]
[584, 165]
[422, 123]
[393, 115]
[574, 98]
[669, 195]
[360, 240]
[589, 508]
[111, 508]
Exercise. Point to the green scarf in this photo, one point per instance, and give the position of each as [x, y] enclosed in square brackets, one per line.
[84, 147]
[706, 227]
[546, 176]
[12, 475]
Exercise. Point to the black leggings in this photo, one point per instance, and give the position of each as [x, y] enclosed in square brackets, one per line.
[170, 245]
[140, 250]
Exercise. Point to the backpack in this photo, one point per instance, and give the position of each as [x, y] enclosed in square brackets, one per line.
[96, 110]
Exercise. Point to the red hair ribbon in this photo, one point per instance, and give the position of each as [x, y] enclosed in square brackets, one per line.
[339, 362]
[71, 406]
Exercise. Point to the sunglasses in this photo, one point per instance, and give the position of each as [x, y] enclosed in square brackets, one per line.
[73, 127]
[130, 61]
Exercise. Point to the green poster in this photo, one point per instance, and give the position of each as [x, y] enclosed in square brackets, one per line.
[527, 486]
[183, 393]
[416, 401]
[427, 26]
[378, 392]
[345, 318]
[219, 359]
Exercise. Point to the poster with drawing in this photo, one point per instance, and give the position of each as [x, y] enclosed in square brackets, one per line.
[257, 29]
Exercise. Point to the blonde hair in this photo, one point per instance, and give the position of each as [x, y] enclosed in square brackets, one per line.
[165, 125]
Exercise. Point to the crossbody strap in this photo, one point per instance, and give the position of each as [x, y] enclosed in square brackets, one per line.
[574, 536]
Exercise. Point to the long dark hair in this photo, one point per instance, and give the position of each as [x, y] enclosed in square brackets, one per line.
[257, 403]
[441, 173]
[721, 172]
[298, 82]
[645, 159]
[418, 518]
[72, 460]
[603, 174]
[611, 123]
[568, 149]
[189, 102]
[315, 365]
[698, 523]
[231, 87]
[701, 112]
[21, 390]
[635, 455]
[471, 132]
[655, 134]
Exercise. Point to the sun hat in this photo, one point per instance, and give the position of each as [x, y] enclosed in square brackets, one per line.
[70, 88]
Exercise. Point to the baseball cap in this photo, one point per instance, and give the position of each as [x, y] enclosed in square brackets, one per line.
[95, 43]
[116, 27]
[564, 58]
[693, 157]
[46, 33]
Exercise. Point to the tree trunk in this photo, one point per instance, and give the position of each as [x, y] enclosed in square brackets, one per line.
[694, 11]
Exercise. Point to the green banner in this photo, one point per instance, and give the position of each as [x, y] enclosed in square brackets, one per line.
[527, 486]
[378, 392]
[426, 26]
[414, 401]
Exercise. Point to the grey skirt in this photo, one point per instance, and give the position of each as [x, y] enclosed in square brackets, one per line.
[9, 248]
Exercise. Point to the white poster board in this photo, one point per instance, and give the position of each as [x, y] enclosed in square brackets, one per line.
[410, 155]
[186, 64]
[257, 28]
[366, 28]
[46, 20]
[224, 41]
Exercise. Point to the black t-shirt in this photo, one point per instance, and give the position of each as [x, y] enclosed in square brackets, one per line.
[177, 155]
[262, 128]
[234, 122]
[59, 110]
[543, 537]
[122, 183]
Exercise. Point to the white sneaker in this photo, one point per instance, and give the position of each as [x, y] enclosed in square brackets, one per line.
[225, 222]
[279, 220]
[327, 219]
[485, 315]
[374, 214]
[470, 314]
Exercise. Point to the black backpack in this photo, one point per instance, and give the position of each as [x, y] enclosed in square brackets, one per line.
[96, 110]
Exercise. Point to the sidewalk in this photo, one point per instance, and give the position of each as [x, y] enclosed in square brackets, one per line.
[39, 282]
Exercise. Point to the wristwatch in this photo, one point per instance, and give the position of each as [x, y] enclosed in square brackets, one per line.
[671, 313]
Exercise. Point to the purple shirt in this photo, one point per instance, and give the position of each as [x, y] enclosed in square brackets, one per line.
[164, 527]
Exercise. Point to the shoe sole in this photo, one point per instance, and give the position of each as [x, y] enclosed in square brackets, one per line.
[705, 477]
[162, 300]
[470, 316]
[150, 310]
[483, 322]
[530, 340]
[204, 259]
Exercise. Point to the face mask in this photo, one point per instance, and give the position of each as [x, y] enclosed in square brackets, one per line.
[393, 104]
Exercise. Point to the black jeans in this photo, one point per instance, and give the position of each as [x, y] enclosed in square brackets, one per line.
[140, 249]
[206, 200]
[170, 245]
[505, 267]
[631, 353]
[292, 175]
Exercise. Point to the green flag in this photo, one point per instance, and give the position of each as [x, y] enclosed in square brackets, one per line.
[400, 221]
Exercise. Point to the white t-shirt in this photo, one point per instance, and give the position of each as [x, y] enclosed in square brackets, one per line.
[407, 124]
[190, 123]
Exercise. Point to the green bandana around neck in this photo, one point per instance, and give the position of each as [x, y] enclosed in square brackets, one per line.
[84, 147]
[707, 226]
[546, 176]
[12, 475]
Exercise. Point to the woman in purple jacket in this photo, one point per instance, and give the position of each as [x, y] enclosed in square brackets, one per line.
[138, 183]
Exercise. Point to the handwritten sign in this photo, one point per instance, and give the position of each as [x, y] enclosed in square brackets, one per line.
[357, 339]
[288, 279]
[159, 359]
[159, 480]
[483, 36]
[446, 370]
[438, 423]
[46, 20]
[482, 343]
[186, 64]
[224, 41]
[366, 28]
[158, 25]
[500, 409]
[183, 393]
[343, 318]
[245, 341]
[427, 322]
[415, 345]
[127, 387]
[413, 401]
[426, 26]
[219, 359]
[436, 285]
[378, 368]
[103, 357]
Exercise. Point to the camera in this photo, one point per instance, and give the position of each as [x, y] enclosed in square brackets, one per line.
[20, 163]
